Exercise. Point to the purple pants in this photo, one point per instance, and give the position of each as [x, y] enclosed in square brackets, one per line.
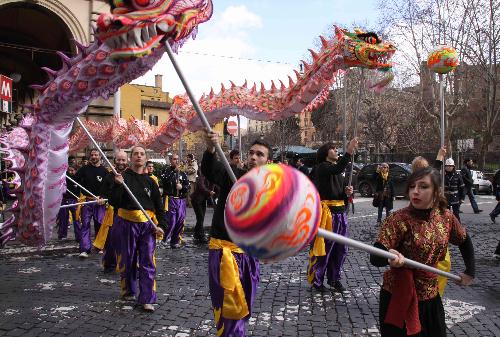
[135, 248]
[335, 256]
[249, 270]
[109, 257]
[89, 212]
[175, 220]
[63, 218]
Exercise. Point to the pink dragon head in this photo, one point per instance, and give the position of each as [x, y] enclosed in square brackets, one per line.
[136, 27]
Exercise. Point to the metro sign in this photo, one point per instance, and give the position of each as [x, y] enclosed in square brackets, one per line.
[5, 94]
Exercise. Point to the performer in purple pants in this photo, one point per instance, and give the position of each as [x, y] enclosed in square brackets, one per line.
[175, 189]
[232, 296]
[329, 256]
[104, 238]
[134, 236]
[91, 177]
[72, 190]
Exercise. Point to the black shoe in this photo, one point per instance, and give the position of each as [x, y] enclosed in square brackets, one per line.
[338, 287]
[320, 288]
[478, 211]
[200, 240]
[109, 270]
[492, 218]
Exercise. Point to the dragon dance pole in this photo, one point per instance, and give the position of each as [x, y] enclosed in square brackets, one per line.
[81, 203]
[382, 253]
[132, 196]
[441, 97]
[323, 233]
[239, 136]
[356, 116]
[83, 188]
[198, 110]
[73, 194]
[344, 117]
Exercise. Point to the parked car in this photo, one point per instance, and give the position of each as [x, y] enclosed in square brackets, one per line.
[398, 172]
[481, 185]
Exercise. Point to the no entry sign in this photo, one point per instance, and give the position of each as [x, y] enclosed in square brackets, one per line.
[5, 94]
[232, 127]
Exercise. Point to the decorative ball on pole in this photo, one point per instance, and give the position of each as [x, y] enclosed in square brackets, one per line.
[443, 59]
[272, 212]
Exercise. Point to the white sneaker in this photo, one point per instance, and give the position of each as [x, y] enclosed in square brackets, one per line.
[148, 307]
[83, 255]
[101, 252]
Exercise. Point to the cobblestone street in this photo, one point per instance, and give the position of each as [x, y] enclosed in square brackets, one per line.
[52, 292]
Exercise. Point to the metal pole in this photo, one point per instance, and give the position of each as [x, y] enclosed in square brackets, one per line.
[356, 115]
[132, 196]
[344, 118]
[382, 253]
[198, 110]
[239, 136]
[116, 108]
[81, 203]
[73, 194]
[83, 188]
[441, 97]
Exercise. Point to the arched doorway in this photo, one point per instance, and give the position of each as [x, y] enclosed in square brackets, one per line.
[30, 35]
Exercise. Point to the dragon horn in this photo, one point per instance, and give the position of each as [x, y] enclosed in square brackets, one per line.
[80, 47]
[64, 58]
[324, 42]
[254, 88]
[222, 88]
[211, 95]
[262, 88]
[273, 87]
[232, 85]
[38, 87]
[245, 84]
[51, 73]
[283, 87]
[290, 82]
[314, 55]
[299, 76]
[307, 66]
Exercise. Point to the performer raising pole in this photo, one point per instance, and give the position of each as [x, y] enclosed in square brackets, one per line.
[91, 176]
[134, 233]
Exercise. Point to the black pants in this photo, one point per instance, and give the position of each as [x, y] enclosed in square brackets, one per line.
[430, 313]
[456, 210]
[199, 209]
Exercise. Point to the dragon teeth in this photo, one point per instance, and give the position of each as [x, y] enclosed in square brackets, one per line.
[136, 33]
[145, 34]
[152, 30]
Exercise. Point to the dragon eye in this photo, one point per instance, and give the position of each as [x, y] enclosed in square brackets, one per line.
[145, 4]
[371, 40]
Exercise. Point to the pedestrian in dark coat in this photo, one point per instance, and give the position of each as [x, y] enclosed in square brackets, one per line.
[384, 191]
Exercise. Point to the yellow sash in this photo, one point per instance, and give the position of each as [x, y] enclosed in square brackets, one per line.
[102, 235]
[81, 199]
[136, 215]
[326, 223]
[166, 204]
[234, 305]
[155, 179]
[444, 265]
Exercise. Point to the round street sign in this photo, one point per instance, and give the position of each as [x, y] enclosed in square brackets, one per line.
[232, 127]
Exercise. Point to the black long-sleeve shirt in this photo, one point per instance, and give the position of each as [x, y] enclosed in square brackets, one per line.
[91, 177]
[467, 177]
[215, 172]
[169, 178]
[144, 189]
[329, 179]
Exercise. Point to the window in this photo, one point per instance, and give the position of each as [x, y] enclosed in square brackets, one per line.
[153, 120]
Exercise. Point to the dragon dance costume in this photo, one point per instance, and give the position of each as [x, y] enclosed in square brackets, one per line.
[233, 276]
[328, 256]
[410, 303]
[134, 236]
[90, 177]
